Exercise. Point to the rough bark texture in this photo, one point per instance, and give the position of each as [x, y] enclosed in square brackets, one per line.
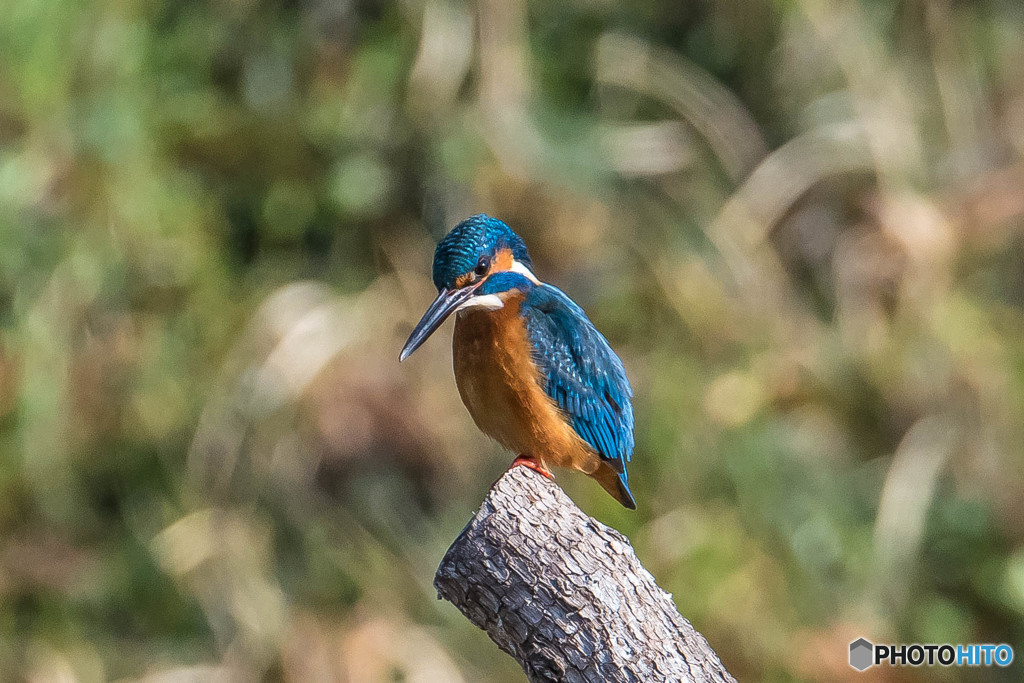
[565, 595]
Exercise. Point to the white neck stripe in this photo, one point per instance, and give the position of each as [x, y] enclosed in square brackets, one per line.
[521, 268]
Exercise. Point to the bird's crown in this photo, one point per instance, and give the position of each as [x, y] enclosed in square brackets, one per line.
[469, 251]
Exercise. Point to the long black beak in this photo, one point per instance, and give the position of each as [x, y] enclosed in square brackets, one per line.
[444, 305]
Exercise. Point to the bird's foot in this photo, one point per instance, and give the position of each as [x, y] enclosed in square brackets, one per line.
[527, 461]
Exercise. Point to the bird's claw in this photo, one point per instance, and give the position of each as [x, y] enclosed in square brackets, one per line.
[527, 461]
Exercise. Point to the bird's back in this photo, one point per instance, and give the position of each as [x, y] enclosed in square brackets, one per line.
[581, 372]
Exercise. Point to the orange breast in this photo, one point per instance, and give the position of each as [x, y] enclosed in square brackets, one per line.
[499, 383]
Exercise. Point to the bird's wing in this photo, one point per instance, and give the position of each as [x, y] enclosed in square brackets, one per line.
[581, 373]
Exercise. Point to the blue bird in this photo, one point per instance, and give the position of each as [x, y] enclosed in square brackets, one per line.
[534, 372]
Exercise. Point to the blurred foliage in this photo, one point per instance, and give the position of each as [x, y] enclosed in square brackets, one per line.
[798, 221]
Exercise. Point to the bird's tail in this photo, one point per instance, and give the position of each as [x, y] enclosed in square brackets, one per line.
[615, 484]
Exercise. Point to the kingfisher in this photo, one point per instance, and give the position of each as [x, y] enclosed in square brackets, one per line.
[533, 371]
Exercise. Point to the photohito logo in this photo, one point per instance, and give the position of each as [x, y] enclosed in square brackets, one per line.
[865, 654]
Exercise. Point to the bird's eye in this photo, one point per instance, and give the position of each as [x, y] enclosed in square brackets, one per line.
[482, 266]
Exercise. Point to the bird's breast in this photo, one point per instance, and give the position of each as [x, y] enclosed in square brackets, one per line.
[495, 375]
[501, 387]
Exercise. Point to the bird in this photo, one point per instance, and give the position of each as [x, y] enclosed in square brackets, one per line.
[531, 368]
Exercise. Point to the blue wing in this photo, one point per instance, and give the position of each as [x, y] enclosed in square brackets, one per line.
[581, 373]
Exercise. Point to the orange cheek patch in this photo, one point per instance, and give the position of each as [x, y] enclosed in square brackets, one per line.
[463, 280]
[503, 260]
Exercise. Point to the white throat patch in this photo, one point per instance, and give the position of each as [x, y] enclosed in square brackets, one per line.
[484, 302]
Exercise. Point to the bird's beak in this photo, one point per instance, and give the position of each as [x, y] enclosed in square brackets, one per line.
[444, 305]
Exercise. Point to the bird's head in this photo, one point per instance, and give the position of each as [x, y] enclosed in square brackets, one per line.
[477, 265]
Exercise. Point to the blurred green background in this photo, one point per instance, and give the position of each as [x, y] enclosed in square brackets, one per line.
[799, 222]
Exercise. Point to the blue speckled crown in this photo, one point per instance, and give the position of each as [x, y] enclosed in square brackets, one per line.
[459, 251]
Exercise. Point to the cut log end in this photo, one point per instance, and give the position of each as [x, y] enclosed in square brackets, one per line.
[566, 595]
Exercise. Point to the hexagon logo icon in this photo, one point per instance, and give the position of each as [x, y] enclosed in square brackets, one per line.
[861, 651]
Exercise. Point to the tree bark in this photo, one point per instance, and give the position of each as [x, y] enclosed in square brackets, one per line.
[565, 595]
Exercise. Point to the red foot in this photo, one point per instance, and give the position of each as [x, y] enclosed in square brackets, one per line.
[527, 461]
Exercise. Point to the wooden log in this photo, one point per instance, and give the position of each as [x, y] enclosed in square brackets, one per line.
[566, 595]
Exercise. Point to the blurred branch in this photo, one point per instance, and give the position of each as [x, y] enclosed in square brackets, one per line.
[565, 595]
[907, 496]
[882, 97]
[743, 226]
[696, 96]
[297, 331]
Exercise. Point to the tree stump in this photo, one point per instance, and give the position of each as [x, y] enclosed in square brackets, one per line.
[566, 595]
